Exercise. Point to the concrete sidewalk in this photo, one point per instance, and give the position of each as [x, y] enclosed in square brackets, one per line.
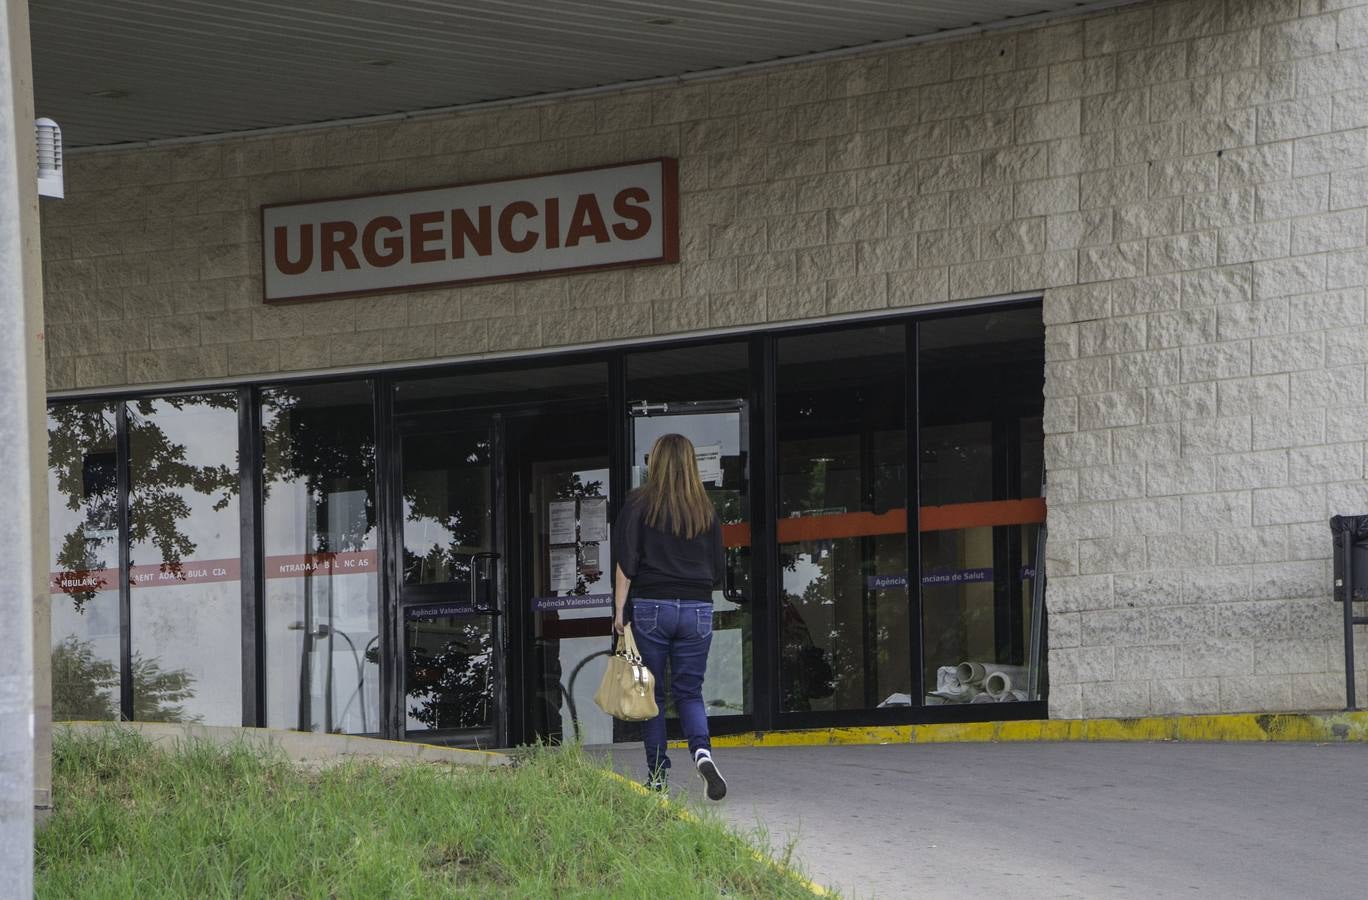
[309, 748]
[1067, 820]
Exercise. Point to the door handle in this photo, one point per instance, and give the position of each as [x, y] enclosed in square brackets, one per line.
[483, 564]
[729, 590]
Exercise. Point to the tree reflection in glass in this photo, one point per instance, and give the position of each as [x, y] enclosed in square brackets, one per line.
[447, 497]
[450, 672]
[84, 503]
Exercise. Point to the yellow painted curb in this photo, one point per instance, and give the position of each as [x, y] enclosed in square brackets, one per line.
[688, 816]
[1343, 727]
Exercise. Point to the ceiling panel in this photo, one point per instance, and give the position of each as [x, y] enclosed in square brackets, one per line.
[181, 68]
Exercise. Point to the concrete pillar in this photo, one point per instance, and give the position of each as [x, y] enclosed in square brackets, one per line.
[35, 359]
[23, 525]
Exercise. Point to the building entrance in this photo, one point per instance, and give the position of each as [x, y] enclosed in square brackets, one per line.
[426, 554]
[497, 550]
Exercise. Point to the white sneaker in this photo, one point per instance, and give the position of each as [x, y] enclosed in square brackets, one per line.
[707, 770]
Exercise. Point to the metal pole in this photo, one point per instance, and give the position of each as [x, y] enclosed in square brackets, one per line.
[18, 274]
[1037, 618]
[1351, 702]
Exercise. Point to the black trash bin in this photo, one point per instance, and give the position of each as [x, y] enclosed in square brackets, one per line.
[1351, 581]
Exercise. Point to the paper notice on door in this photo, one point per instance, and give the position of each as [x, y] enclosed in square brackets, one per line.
[709, 463]
[563, 575]
[589, 561]
[562, 516]
[593, 520]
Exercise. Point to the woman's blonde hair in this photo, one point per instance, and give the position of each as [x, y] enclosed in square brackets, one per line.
[673, 494]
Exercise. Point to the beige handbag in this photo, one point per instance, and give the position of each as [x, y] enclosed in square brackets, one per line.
[627, 691]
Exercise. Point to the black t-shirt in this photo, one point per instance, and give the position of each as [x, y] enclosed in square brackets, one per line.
[663, 566]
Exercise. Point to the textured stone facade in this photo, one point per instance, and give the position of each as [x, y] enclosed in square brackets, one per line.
[1185, 182]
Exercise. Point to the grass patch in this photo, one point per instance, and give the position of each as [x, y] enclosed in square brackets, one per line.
[133, 820]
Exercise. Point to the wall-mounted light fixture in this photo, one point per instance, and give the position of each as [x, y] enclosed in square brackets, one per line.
[50, 182]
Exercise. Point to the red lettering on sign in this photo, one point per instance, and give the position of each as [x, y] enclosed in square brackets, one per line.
[83, 580]
[586, 221]
[421, 234]
[393, 245]
[624, 206]
[282, 250]
[338, 238]
[594, 218]
[352, 562]
[553, 223]
[208, 571]
[529, 238]
[463, 230]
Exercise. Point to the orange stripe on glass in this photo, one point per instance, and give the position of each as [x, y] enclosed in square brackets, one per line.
[982, 515]
[864, 524]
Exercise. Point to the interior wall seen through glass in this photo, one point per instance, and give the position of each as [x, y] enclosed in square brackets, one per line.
[184, 557]
[83, 541]
[320, 627]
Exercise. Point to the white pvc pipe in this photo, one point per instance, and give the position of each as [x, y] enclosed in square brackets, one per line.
[969, 672]
[1002, 679]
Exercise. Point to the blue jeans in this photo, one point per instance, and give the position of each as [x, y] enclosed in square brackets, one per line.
[678, 632]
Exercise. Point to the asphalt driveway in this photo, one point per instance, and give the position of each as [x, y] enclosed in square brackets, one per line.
[1070, 820]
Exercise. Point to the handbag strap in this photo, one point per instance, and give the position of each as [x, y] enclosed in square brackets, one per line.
[627, 646]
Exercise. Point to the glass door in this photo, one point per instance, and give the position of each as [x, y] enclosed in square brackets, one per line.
[450, 598]
[568, 590]
[718, 430]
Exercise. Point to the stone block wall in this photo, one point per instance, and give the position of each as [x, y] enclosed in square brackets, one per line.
[1184, 182]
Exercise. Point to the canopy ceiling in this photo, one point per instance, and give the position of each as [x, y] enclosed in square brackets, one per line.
[114, 71]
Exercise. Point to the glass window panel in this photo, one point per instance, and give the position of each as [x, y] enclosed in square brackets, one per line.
[510, 387]
[448, 501]
[842, 526]
[321, 623]
[982, 378]
[708, 372]
[83, 528]
[186, 608]
[956, 463]
[451, 672]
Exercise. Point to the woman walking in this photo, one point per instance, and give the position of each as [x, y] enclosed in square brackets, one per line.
[668, 542]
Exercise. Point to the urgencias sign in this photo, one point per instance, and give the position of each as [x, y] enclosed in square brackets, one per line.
[521, 228]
